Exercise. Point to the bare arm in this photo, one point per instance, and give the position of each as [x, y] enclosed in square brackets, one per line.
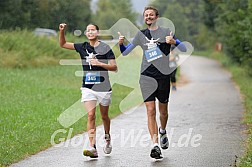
[62, 40]
[110, 67]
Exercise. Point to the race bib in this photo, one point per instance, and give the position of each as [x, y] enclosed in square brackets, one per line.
[93, 78]
[153, 54]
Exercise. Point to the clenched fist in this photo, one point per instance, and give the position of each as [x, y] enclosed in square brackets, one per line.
[62, 26]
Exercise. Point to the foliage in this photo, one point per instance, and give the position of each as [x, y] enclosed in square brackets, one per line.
[186, 16]
[110, 11]
[20, 49]
[232, 24]
[176, 13]
[47, 14]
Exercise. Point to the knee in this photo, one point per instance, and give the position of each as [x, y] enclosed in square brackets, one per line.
[105, 117]
[91, 116]
[151, 112]
[164, 113]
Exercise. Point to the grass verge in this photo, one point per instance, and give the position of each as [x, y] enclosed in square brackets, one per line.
[31, 102]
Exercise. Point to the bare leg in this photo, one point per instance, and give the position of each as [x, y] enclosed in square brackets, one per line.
[152, 123]
[91, 107]
[163, 109]
[105, 118]
[173, 83]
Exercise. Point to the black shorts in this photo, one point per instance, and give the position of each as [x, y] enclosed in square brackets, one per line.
[152, 88]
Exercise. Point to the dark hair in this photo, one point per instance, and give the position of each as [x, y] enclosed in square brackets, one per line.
[151, 8]
[96, 26]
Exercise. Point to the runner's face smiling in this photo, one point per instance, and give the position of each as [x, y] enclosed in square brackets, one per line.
[91, 32]
[150, 17]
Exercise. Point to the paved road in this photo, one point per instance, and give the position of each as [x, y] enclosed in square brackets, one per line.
[204, 128]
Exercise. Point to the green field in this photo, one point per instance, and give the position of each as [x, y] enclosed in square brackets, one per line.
[31, 100]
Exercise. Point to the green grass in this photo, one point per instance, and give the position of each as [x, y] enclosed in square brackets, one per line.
[242, 78]
[32, 100]
[22, 49]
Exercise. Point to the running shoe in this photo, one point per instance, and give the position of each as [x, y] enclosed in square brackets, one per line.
[92, 153]
[108, 147]
[156, 153]
[164, 142]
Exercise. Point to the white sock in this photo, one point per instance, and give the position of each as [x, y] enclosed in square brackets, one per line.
[155, 144]
[92, 147]
[162, 130]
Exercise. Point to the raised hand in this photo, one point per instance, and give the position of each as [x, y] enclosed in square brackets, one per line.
[170, 39]
[121, 38]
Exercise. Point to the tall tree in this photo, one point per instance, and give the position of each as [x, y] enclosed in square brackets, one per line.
[175, 13]
[186, 15]
[10, 14]
[47, 13]
[76, 13]
[230, 25]
[232, 22]
[110, 11]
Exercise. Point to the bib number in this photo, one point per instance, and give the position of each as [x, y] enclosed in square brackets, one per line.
[153, 54]
[93, 78]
